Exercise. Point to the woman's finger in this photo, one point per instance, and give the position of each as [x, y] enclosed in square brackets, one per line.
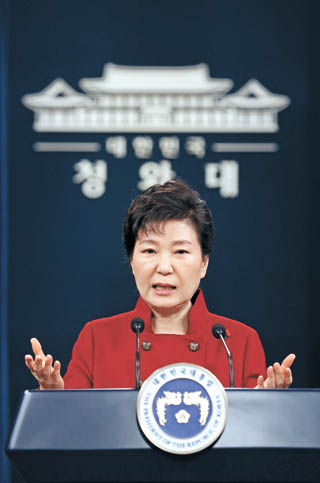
[260, 383]
[56, 371]
[47, 368]
[288, 361]
[29, 362]
[38, 366]
[278, 374]
[270, 382]
[57, 367]
[36, 347]
[288, 377]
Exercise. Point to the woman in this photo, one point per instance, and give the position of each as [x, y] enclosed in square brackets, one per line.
[167, 235]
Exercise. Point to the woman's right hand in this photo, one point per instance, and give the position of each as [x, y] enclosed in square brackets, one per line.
[47, 375]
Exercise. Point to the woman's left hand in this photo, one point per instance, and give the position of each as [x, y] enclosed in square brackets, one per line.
[278, 376]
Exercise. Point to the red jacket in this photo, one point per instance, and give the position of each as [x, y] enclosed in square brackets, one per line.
[104, 353]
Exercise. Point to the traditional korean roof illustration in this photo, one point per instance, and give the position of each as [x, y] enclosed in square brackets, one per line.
[254, 95]
[130, 79]
[57, 94]
[192, 102]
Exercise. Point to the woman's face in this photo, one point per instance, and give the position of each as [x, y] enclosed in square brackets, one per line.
[168, 265]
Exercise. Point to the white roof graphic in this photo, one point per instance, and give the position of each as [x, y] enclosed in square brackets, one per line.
[128, 79]
[155, 99]
[57, 94]
[254, 95]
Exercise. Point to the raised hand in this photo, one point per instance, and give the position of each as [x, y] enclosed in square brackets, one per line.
[47, 375]
[278, 376]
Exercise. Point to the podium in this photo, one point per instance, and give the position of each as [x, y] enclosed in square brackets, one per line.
[88, 436]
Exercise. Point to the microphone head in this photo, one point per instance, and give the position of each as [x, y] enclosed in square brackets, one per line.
[219, 330]
[137, 325]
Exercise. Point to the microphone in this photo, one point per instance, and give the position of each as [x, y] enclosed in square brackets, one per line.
[137, 325]
[219, 332]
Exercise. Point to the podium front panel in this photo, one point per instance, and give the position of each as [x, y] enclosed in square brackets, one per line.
[93, 436]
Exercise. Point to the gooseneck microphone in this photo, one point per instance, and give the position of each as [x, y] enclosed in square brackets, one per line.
[219, 332]
[137, 325]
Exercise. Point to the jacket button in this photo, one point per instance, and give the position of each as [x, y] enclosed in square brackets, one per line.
[194, 346]
[146, 346]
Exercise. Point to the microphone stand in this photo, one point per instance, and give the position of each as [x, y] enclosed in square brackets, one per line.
[137, 325]
[219, 332]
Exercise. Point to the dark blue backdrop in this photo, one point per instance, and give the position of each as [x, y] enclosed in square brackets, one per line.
[66, 264]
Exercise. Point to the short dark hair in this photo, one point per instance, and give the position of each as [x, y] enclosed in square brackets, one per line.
[173, 200]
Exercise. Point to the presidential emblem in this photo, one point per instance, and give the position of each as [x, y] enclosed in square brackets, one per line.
[182, 408]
